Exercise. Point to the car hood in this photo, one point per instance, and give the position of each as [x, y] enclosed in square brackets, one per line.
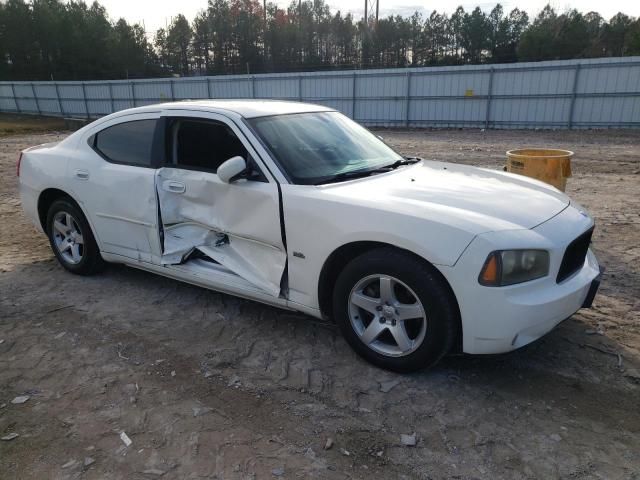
[476, 199]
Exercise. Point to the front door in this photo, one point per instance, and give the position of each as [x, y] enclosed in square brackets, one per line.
[236, 225]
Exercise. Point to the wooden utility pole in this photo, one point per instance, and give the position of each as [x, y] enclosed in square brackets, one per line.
[377, 8]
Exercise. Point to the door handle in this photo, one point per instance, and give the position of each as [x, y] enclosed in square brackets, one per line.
[174, 187]
[82, 174]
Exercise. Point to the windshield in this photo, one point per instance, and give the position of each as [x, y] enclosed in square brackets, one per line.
[316, 147]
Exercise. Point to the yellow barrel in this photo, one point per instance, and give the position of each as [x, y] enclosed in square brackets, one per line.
[550, 166]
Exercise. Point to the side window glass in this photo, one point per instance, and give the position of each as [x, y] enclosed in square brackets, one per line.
[205, 144]
[128, 142]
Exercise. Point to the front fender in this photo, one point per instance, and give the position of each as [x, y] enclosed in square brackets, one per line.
[316, 226]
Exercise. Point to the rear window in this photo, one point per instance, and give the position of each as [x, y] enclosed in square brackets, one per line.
[128, 142]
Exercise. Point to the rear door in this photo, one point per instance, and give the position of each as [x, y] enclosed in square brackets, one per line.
[236, 225]
[114, 178]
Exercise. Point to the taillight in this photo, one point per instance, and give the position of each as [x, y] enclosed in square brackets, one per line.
[18, 165]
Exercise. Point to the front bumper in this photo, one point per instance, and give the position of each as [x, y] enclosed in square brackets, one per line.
[593, 289]
[501, 319]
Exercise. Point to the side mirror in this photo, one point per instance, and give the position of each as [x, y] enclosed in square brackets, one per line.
[231, 168]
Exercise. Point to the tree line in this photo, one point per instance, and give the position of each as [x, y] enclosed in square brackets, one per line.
[51, 39]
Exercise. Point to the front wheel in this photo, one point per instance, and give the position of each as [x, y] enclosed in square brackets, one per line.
[395, 310]
[71, 239]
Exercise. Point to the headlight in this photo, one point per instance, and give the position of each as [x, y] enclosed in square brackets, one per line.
[508, 267]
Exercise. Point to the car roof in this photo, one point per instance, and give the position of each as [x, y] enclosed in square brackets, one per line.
[247, 108]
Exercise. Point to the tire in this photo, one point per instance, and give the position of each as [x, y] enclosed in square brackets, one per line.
[407, 288]
[72, 240]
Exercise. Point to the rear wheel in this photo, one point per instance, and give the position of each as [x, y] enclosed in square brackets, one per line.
[71, 239]
[395, 310]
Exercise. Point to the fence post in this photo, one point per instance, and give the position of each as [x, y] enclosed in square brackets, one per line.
[35, 97]
[489, 94]
[84, 97]
[353, 96]
[113, 104]
[133, 93]
[173, 95]
[59, 101]
[253, 86]
[15, 99]
[407, 99]
[300, 88]
[208, 87]
[574, 90]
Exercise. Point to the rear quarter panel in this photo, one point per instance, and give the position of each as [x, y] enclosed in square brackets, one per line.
[42, 167]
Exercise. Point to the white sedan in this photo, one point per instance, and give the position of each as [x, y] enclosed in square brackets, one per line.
[297, 206]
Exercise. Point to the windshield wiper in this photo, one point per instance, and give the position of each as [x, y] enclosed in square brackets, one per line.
[396, 164]
[401, 162]
[365, 173]
[348, 176]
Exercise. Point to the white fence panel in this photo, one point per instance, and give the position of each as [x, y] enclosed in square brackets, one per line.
[586, 93]
[283, 88]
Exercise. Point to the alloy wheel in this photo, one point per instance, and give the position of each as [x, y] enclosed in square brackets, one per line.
[67, 237]
[387, 315]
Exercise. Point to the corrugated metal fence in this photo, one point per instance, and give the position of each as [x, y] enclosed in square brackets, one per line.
[586, 93]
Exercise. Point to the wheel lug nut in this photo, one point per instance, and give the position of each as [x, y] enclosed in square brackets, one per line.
[382, 319]
[379, 308]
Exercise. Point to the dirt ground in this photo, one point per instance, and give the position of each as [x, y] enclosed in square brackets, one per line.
[206, 385]
[14, 124]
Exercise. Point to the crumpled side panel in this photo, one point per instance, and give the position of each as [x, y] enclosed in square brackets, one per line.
[237, 225]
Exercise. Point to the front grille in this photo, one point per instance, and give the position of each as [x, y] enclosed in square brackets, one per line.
[574, 256]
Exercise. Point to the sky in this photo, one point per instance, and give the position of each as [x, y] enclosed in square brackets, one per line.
[157, 13]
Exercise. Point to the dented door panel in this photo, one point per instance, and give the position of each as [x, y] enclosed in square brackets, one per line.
[236, 225]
